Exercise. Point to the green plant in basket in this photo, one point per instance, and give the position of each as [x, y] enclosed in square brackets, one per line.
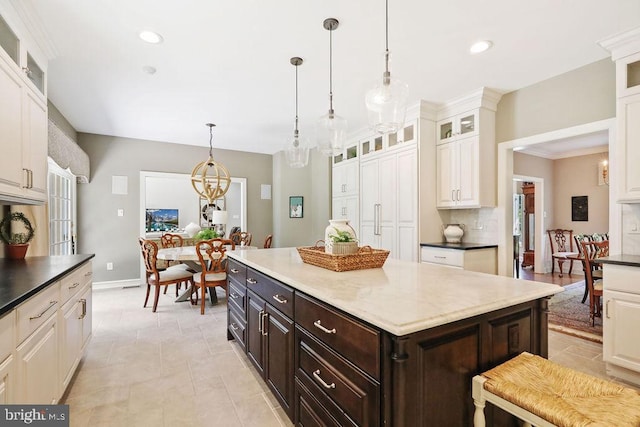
[206, 234]
[342, 236]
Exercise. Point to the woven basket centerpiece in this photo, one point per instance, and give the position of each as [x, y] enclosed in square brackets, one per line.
[364, 258]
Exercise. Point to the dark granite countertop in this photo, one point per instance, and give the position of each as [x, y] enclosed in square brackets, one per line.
[630, 260]
[21, 279]
[463, 246]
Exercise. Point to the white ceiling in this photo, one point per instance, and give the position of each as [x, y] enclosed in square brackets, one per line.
[227, 62]
[596, 142]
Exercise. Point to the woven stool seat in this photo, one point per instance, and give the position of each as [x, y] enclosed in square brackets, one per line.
[558, 395]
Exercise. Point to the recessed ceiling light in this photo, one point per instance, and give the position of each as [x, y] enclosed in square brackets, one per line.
[480, 46]
[149, 69]
[150, 37]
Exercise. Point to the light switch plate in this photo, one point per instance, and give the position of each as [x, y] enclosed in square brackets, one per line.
[120, 212]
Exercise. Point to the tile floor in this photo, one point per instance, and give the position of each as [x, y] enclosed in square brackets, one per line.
[176, 367]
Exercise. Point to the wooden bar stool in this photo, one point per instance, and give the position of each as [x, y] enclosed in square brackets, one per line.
[543, 393]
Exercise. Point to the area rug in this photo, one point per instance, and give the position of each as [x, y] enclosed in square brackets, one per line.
[568, 315]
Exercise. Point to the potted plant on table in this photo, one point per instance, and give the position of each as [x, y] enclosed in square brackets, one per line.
[342, 243]
[206, 234]
[16, 232]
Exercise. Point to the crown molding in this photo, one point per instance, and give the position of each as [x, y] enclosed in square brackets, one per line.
[35, 27]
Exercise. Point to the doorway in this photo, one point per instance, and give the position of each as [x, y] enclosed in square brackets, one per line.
[505, 190]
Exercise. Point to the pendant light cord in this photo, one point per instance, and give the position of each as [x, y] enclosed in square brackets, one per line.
[295, 132]
[211, 125]
[387, 75]
[331, 73]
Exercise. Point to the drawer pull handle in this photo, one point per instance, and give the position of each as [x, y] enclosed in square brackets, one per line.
[84, 308]
[260, 321]
[75, 285]
[51, 304]
[318, 325]
[316, 375]
[233, 295]
[440, 257]
[280, 299]
[88, 273]
[607, 309]
[234, 326]
[251, 281]
[235, 271]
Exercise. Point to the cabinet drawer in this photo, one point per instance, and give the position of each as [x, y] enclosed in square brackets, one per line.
[236, 271]
[326, 373]
[451, 257]
[238, 297]
[310, 412]
[275, 293]
[7, 334]
[238, 327]
[74, 281]
[355, 341]
[36, 310]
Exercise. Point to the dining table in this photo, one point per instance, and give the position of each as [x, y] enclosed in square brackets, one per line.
[188, 256]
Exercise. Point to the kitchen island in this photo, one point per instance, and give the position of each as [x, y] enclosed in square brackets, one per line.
[393, 346]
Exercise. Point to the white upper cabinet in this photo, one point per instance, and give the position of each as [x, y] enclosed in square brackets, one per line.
[466, 152]
[23, 119]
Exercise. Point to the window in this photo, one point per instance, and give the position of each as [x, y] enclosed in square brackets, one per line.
[62, 210]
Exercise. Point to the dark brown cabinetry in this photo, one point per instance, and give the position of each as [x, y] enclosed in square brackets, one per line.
[270, 335]
[328, 368]
[237, 302]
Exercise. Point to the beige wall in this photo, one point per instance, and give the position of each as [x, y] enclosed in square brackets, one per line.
[584, 95]
[578, 176]
[313, 184]
[113, 238]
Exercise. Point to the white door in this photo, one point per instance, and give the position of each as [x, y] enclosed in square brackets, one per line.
[446, 174]
[388, 187]
[369, 203]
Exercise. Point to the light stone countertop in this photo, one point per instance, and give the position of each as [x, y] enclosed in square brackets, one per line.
[402, 297]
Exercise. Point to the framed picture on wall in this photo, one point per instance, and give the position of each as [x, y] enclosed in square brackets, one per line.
[580, 208]
[295, 206]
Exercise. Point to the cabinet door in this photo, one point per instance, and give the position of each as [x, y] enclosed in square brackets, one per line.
[70, 339]
[407, 213]
[629, 134]
[255, 345]
[620, 318]
[35, 143]
[468, 176]
[351, 172]
[446, 175]
[37, 366]
[10, 131]
[467, 124]
[338, 180]
[368, 197]
[279, 373]
[7, 381]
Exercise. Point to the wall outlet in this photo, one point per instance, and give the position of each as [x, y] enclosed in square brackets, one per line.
[120, 212]
[109, 266]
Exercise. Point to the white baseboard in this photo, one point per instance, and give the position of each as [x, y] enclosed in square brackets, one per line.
[117, 284]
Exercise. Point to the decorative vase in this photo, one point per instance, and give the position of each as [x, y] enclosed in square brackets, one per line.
[453, 232]
[339, 225]
[192, 229]
[16, 251]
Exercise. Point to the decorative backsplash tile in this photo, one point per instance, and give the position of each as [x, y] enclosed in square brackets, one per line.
[631, 219]
[481, 225]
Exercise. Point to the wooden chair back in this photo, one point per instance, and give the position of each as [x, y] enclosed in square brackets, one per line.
[561, 240]
[267, 241]
[242, 238]
[211, 254]
[169, 240]
[591, 251]
[149, 251]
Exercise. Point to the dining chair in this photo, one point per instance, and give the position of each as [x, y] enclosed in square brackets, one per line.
[267, 241]
[241, 238]
[561, 242]
[211, 254]
[169, 240]
[156, 278]
[593, 250]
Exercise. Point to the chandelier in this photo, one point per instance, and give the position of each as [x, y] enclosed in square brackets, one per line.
[210, 179]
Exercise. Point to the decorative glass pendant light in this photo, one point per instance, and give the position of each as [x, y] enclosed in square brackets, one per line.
[331, 129]
[210, 179]
[297, 148]
[387, 101]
